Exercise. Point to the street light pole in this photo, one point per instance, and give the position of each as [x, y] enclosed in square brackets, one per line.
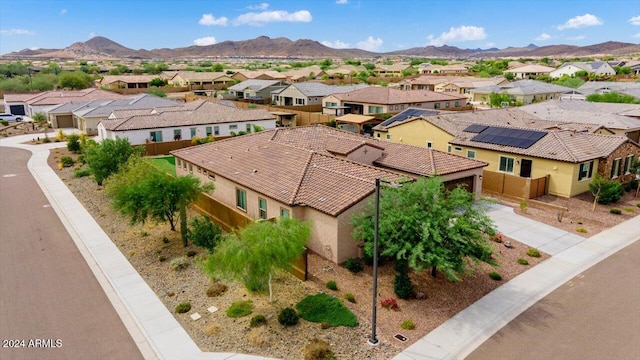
[373, 341]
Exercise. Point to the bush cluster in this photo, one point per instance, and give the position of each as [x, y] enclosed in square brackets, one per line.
[522, 261]
[258, 320]
[216, 289]
[533, 252]
[408, 325]
[81, 172]
[288, 317]
[495, 276]
[350, 298]
[615, 211]
[354, 265]
[183, 307]
[318, 350]
[402, 285]
[67, 161]
[203, 232]
[331, 285]
[73, 143]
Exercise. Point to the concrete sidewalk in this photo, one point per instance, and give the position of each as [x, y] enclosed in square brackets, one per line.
[463, 333]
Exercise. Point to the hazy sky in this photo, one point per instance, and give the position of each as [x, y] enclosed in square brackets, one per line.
[375, 25]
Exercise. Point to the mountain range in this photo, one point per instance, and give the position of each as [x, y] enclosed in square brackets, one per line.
[99, 48]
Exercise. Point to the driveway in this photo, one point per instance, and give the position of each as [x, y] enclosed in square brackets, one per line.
[47, 291]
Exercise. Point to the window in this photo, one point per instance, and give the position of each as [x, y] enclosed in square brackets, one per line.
[233, 127]
[284, 212]
[193, 132]
[299, 101]
[375, 109]
[429, 144]
[615, 168]
[177, 134]
[457, 104]
[262, 205]
[184, 165]
[377, 135]
[190, 168]
[627, 164]
[446, 105]
[471, 154]
[216, 130]
[212, 176]
[436, 106]
[248, 127]
[586, 170]
[179, 162]
[155, 136]
[448, 148]
[241, 199]
[388, 136]
[506, 164]
[328, 103]
[457, 148]
[199, 169]
[208, 130]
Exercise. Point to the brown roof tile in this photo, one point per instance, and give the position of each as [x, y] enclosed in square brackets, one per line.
[387, 95]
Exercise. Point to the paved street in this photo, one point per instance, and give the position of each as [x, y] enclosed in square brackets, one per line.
[47, 291]
[596, 315]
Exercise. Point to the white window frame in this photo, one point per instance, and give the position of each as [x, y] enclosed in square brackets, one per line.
[469, 152]
[506, 170]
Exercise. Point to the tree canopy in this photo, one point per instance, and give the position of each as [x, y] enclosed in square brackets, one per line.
[613, 97]
[254, 253]
[106, 157]
[74, 80]
[429, 226]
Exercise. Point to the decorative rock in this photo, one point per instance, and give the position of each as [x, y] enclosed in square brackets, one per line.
[508, 244]
[421, 296]
[195, 316]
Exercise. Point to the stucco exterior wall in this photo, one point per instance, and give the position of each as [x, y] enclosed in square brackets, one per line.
[418, 133]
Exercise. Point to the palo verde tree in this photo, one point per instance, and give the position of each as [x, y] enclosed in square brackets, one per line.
[254, 253]
[140, 192]
[429, 226]
[106, 157]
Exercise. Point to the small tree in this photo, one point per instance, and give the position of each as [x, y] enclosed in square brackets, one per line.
[157, 82]
[73, 143]
[497, 99]
[254, 253]
[509, 76]
[74, 80]
[106, 157]
[157, 92]
[605, 191]
[203, 232]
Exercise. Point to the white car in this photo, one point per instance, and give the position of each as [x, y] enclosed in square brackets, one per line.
[11, 117]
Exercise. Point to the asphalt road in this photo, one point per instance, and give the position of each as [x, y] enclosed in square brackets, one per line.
[596, 315]
[48, 294]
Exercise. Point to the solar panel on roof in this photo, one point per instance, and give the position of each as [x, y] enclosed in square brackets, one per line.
[509, 137]
[475, 128]
[407, 114]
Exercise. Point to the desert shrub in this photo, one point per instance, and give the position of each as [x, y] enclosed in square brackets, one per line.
[240, 309]
[318, 350]
[533, 252]
[81, 159]
[216, 289]
[81, 172]
[4, 122]
[258, 320]
[495, 276]
[258, 336]
[608, 191]
[615, 211]
[324, 325]
[350, 298]
[628, 209]
[203, 232]
[581, 230]
[288, 317]
[354, 265]
[390, 303]
[522, 261]
[331, 285]
[408, 325]
[162, 258]
[192, 253]
[67, 161]
[183, 307]
[179, 263]
[46, 140]
[165, 239]
[212, 329]
[73, 143]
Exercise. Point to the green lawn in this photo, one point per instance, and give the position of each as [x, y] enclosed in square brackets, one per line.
[165, 163]
[326, 308]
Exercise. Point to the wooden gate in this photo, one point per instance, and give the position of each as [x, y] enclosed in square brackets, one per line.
[538, 187]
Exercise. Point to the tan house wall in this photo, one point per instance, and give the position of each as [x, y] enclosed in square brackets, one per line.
[418, 133]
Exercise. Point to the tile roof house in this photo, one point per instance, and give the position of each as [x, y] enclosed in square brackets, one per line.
[442, 69]
[256, 89]
[198, 118]
[394, 69]
[243, 75]
[201, 80]
[450, 84]
[603, 87]
[314, 173]
[310, 93]
[126, 81]
[304, 74]
[379, 100]
[567, 153]
[527, 71]
[33, 103]
[594, 67]
[521, 91]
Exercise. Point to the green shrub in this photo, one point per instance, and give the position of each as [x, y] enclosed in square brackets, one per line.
[73, 143]
[318, 350]
[4, 122]
[350, 298]
[615, 211]
[408, 325]
[326, 308]
[258, 320]
[203, 232]
[240, 309]
[46, 140]
[288, 317]
[191, 253]
[331, 285]
[324, 325]
[610, 191]
[638, 205]
[179, 263]
[402, 285]
[81, 172]
[183, 307]
[533, 252]
[522, 261]
[67, 161]
[495, 276]
[162, 258]
[354, 265]
[581, 230]
[216, 289]
[628, 209]
[81, 159]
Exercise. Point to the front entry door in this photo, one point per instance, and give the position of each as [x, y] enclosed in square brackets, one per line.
[525, 168]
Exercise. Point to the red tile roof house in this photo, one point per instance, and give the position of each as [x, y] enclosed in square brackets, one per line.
[315, 173]
[380, 100]
[33, 103]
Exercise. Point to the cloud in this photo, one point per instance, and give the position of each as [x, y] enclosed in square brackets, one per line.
[582, 21]
[210, 20]
[341, 2]
[92, 35]
[336, 44]
[12, 32]
[577, 37]
[204, 41]
[262, 18]
[370, 44]
[262, 6]
[543, 37]
[459, 34]
[63, 11]
[635, 20]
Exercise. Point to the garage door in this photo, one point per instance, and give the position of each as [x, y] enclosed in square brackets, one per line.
[65, 121]
[17, 109]
[467, 182]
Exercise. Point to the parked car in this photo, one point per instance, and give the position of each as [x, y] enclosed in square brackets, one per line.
[10, 117]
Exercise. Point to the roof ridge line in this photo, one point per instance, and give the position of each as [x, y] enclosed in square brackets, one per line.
[561, 142]
[304, 175]
[355, 163]
[433, 162]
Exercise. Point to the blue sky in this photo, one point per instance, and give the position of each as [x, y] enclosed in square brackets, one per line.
[375, 25]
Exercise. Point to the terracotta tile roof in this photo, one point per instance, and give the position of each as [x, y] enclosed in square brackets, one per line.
[296, 166]
[201, 76]
[63, 96]
[109, 79]
[387, 95]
